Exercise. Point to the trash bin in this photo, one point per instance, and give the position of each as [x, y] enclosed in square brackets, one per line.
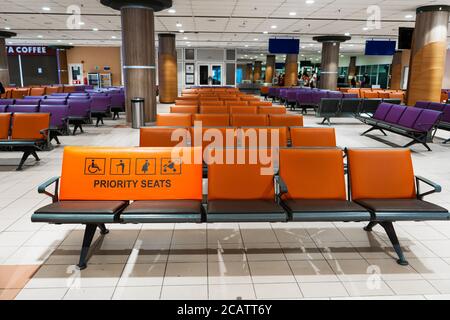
[137, 113]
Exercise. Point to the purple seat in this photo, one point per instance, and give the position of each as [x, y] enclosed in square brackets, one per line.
[3, 108]
[422, 104]
[34, 97]
[304, 97]
[79, 113]
[382, 111]
[436, 106]
[78, 97]
[334, 95]
[117, 104]
[409, 117]
[272, 92]
[350, 96]
[62, 96]
[27, 102]
[59, 94]
[427, 120]
[5, 102]
[23, 108]
[58, 115]
[446, 114]
[317, 96]
[283, 94]
[49, 102]
[100, 106]
[395, 114]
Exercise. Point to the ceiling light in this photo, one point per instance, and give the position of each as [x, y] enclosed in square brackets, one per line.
[309, 1]
[261, 54]
[179, 25]
[40, 36]
[71, 43]
[409, 16]
[171, 11]
[292, 13]
[185, 38]
[81, 23]
[59, 40]
[94, 29]
[246, 45]
[46, 9]
[188, 45]
[187, 42]
[273, 27]
[113, 37]
[181, 31]
[365, 28]
[265, 32]
[347, 34]
[256, 39]
[7, 28]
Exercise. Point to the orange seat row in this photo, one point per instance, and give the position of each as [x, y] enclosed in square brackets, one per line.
[228, 109]
[19, 93]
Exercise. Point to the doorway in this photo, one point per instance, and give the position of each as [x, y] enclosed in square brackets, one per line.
[210, 74]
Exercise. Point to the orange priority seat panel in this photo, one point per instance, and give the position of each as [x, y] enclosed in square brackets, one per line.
[240, 181]
[249, 120]
[213, 120]
[272, 110]
[174, 119]
[285, 120]
[107, 173]
[313, 173]
[163, 137]
[242, 109]
[236, 103]
[260, 137]
[184, 109]
[5, 123]
[260, 103]
[213, 109]
[313, 137]
[29, 126]
[381, 174]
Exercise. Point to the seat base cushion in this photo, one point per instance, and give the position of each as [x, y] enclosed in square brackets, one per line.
[245, 211]
[404, 209]
[326, 210]
[79, 212]
[163, 211]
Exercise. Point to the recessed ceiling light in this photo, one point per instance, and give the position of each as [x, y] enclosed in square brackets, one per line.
[265, 32]
[409, 16]
[246, 45]
[40, 36]
[261, 54]
[7, 28]
[171, 11]
[309, 1]
[46, 9]
[81, 23]
[94, 29]
[179, 25]
[347, 34]
[181, 31]
[188, 45]
[256, 39]
[365, 28]
[273, 27]
[292, 13]
[113, 37]
[187, 42]
[351, 45]
[59, 40]
[71, 43]
[185, 38]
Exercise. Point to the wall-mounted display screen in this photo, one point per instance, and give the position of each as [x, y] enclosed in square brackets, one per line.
[284, 46]
[380, 48]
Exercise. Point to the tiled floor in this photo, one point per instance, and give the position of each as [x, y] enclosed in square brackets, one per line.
[219, 261]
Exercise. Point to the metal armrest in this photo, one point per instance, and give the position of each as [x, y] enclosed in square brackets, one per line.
[42, 188]
[436, 188]
[280, 187]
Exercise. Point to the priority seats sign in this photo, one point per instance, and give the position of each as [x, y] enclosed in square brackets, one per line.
[104, 173]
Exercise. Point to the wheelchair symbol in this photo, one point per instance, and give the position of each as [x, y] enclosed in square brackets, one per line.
[94, 166]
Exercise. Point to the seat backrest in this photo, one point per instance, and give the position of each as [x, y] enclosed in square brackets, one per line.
[370, 105]
[242, 109]
[37, 91]
[29, 126]
[5, 102]
[427, 120]
[58, 114]
[27, 102]
[174, 119]
[68, 89]
[49, 102]
[5, 124]
[446, 114]
[397, 95]
[383, 95]
[260, 103]
[208, 102]
[23, 108]
[382, 111]
[285, 120]
[422, 104]
[313, 173]
[272, 110]
[304, 97]
[381, 174]
[239, 181]
[79, 108]
[100, 103]
[213, 109]
[184, 109]
[20, 93]
[249, 120]
[328, 105]
[370, 95]
[334, 95]
[104, 173]
[409, 117]
[395, 113]
[179, 102]
[214, 138]
[3, 108]
[213, 120]
[350, 105]
[162, 137]
[313, 137]
[263, 137]
[50, 90]
[236, 103]
[436, 106]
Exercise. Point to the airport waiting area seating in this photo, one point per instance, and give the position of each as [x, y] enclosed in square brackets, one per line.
[416, 123]
[149, 185]
[444, 123]
[24, 132]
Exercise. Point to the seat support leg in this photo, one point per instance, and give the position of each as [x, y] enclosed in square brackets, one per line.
[25, 156]
[448, 140]
[382, 131]
[390, 231]
[367, 131]
[103, 229]
[34, 154]
[370, 226]
[87, 240]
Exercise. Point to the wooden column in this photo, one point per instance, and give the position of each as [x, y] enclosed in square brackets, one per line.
[270, 68]
[399, 62]
[428, 53]
[4, 69]
[257, 71]
[291, 70]
[249, 72]
[330, 60]
[167, 68]
[61, 61]
[351, 69]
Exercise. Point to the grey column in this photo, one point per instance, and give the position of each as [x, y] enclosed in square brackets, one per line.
[4, 69]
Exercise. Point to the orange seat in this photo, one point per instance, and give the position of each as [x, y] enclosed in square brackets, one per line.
[174, 119]
[214, 139]
[184, 109]
[163, 137]
[313, 137]
[179, 102]
[68, 89]
[30, 126]
[313, 174]
[264, 90]
[242, 109]
[37, 91]
[5, 124]
[249, 98]
[381, 174]
[264, 137]
[383, 95]
[249, 120]
[187, 97]
[272, 110]
[189, 91]
[211, 103]
[20, 93]
[397, 95]
[370, 94]
[260, 103]
[236, 103]
[213, 109]
[213, 120]
[285, 120]
[50, 90]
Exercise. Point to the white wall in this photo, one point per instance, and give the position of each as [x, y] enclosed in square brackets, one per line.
[363, 60]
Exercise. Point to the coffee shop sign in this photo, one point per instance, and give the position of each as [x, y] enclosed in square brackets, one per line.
[29, 50]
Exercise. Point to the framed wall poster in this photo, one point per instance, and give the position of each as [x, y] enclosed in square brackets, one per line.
[190, 79]
[189, 68]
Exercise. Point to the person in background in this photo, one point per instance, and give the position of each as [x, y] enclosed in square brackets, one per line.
[313, 81]
[366, 81]
[353, 82]
[2, 88]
